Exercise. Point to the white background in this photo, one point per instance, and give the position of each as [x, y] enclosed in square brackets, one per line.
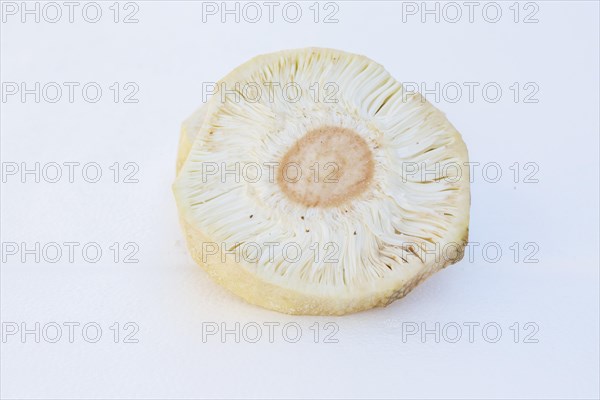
[168, 54]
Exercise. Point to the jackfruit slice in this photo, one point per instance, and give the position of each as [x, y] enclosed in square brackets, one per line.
[312, 183]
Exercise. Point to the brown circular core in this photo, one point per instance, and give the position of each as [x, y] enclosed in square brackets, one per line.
[326, 167]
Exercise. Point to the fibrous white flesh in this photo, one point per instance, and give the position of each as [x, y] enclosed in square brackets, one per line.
[372, 232]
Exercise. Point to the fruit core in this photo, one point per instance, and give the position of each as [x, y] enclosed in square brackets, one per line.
[326, 167]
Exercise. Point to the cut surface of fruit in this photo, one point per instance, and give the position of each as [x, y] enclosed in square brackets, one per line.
[312, 183]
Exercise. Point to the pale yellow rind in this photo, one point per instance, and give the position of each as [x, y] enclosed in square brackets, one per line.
[189, 129]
